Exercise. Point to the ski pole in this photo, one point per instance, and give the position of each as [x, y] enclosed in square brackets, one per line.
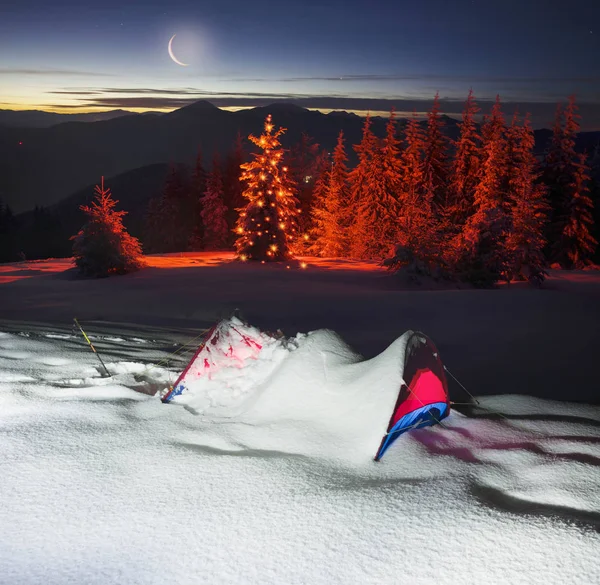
[92, 347]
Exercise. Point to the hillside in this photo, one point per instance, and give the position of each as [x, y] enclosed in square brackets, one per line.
[41, 119]
[40, 166]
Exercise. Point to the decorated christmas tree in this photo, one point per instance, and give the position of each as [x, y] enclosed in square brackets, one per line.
[267, 225]
[103, 246]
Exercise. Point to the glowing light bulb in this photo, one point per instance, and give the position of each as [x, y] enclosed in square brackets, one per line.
[243, 257]
[240, 230]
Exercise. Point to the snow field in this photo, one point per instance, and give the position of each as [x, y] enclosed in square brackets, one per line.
[101, 483]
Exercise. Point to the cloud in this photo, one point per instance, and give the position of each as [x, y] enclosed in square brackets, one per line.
[429, 78]
[10, 71]
[542, 112]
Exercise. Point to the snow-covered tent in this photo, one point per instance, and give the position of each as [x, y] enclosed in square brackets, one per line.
[313, 390]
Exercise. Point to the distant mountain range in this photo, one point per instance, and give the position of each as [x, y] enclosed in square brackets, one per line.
[44, 162]
[39, 119]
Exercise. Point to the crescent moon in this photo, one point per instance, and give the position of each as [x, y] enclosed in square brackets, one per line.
[172, 55]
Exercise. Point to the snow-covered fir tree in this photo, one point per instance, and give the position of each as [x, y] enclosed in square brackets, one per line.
[556, 171]
[576, 244]
[267, 226]
[305, 161]
[435, 162]
[330, 213]
[566, 175]
[392, 178]
[465, 166]
[8, 227]
[233, 187]
[172, 217]
[304, 244]
[214, 211]
[525, 242]
[197, 188]
[482, 237]
[417, 225]
[103, 246]
[366, 232]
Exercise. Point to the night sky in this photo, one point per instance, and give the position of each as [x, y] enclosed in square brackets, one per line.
[82, 55]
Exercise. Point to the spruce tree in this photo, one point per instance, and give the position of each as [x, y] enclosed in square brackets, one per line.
[233, 187]
[267, 226]
[304, 160]
[317, 186]
[330, 219]
[525, 242]
[8, 244]
[595, 197]
[418, 228]
[392, 179]
[435, 165]
[366, 232]
[576, 245]
[465, 167]
[103, 247]
[567, 177]
[214, 211]
[197, 190]
[171, 218]
[482, 238]
[557, 170]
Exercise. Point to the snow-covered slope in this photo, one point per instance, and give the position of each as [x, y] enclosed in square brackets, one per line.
[101, 483]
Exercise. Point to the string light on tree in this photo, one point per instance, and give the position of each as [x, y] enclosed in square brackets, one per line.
[269, 194]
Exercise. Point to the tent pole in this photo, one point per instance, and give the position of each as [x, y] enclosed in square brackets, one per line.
[458, 382]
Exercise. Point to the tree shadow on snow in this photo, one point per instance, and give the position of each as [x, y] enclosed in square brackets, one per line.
[242, 452]
[496, 498]
[475, 411]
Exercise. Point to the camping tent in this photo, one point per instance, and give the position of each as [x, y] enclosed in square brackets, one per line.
[314, 389]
